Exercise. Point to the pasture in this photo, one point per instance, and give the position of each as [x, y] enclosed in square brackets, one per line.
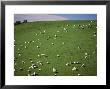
[56, 48]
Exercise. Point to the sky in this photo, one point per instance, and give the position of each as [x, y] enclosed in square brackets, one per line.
[53, 17]
[79, 16]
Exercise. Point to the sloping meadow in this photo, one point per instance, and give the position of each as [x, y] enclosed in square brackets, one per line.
[56, 48]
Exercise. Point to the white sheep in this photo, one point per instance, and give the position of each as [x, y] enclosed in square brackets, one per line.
[74, 69]
[54, 70]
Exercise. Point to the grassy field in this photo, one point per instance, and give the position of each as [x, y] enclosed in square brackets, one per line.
[55, 48]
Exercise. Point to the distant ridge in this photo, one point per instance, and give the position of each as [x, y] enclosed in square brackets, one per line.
[37, 17]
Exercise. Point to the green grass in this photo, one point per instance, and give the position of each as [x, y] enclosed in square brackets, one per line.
[77, 42]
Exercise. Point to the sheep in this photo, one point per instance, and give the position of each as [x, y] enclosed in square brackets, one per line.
[74, 62]
[38, 47]
[28, 74]
[57, 31]
[54, 70]
[67, 64]
[25, 47]
[85, 53]
[52, 43]
[55, 74]
[21, 45]
[38, 55]
[55, 35]
[42, 54]
[54, 38]
[32, 62]
[39, 69]
[29, 71]
[19, 54]
[14, 63]
[58, 55]
[83, 65]
[41, 64]
[23, 62]
[85, 57]
[44, 31]
[63, 43]
[64, 29]
[77, 62]
[74, 69]
[18, 49]
[34, 73]
[36, 34]
[47, 62]
[79, 74]
[21, 68]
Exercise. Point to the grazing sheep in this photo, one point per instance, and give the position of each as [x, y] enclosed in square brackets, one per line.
[29, 71]
[58, 55]
[79, 74]
[21, 68]
[19, 54]
[85, 57]
[74, 62]
[83, 65]
[41, 64]
[77, 62]
[47, 62]
[55, 74]
[74, 69]
[28, 74]
[36, 34]
[55, 35]
[67, 64]
[64, 29]
[57, 31]
[25, 47]
[52, 43]
[85, 53]
[42, 54]
[32, 62]
[39, 69]
[23, 62]
[63, 43]
[38, 47]
[44, 31]
[34, 73]
[38, 55]
[54, 70]
[54, 38]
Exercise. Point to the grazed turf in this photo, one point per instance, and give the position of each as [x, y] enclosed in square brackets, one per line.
[71, 46]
